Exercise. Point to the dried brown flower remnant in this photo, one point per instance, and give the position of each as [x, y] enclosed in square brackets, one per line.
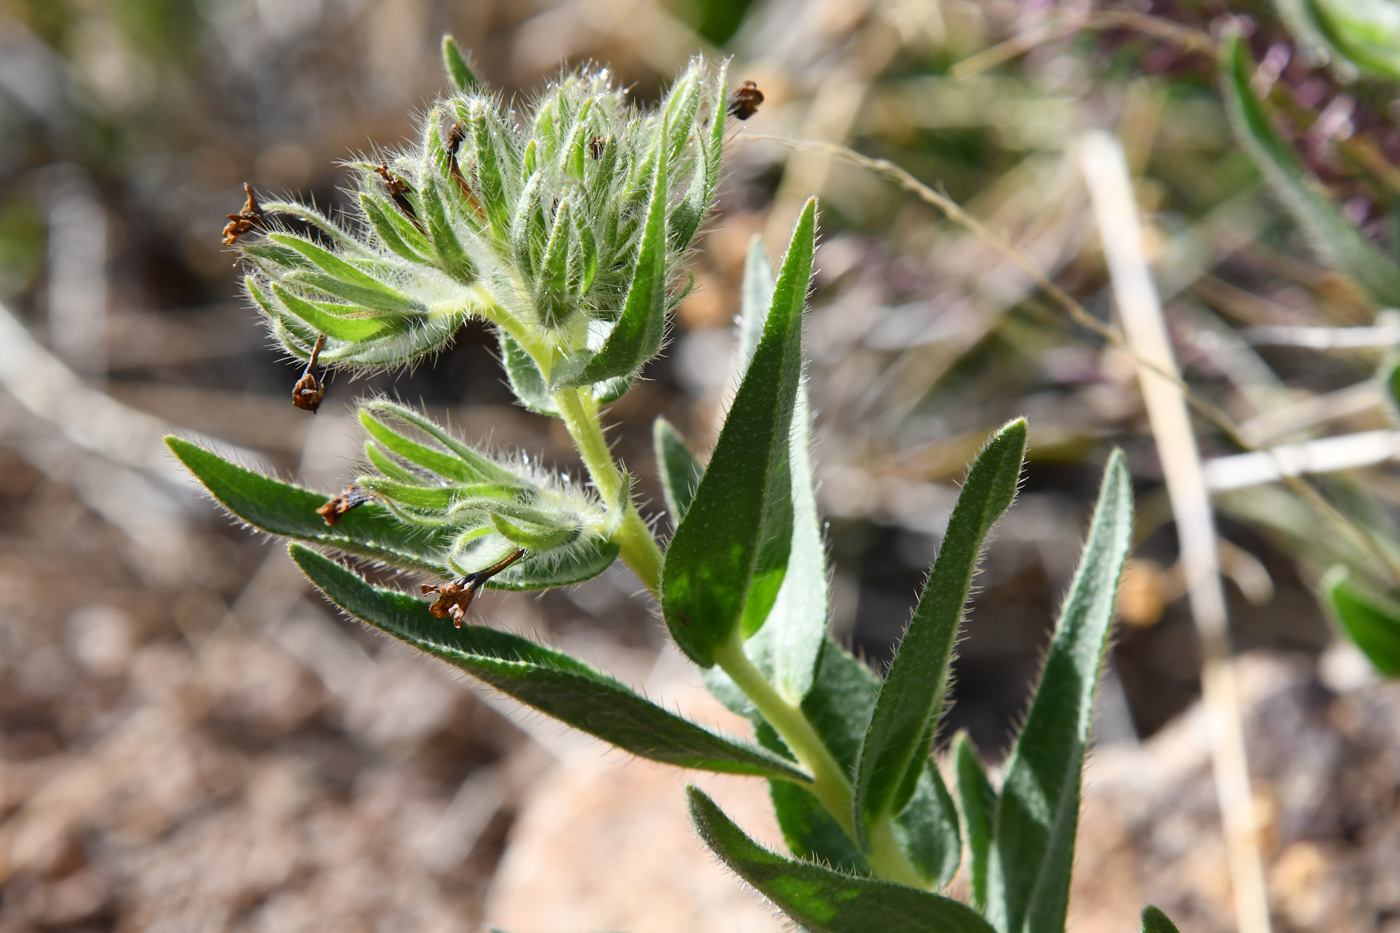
[455, 136]
[596, 146]
[744, 102]
[245, 220]
[454, 599]
[350, 497]
[308, 391]
[398, 190]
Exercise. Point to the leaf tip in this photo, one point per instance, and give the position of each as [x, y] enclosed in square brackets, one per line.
[701, 809]
[1014, 432]
[1155, 921]
[1117, 467]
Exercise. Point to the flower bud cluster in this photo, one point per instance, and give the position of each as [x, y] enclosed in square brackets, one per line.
[490, 507]
[565, 225]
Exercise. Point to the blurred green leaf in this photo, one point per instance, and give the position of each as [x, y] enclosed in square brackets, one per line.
[911, 698]
[1154, 921]
[1370, 619]
[679, 468]
[754, 299]
[977, 801]
[1344, 247]
[552, 682]
[1038, 811]
[727, 559]
[23, 238]
[826, 901]
[1389, 375]
[1365, 32]
[459, 70]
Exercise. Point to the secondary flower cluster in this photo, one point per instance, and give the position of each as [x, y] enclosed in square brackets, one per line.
[528, 528]
[565, 225]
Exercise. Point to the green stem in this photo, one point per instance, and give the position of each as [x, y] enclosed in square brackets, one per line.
[488, 307]
[580, 413]
[886, 857]
[640, 551]
[830, 785]
[639, 547]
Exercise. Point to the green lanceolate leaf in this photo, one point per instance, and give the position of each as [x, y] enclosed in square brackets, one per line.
[524, 376]
[787, 647]
[283, 509]
[548, 680]
[451, 256]
[346, 281]
[1314, 209]
[911, 698]
[1370, 619]
[475, 467]
[727, 559]
[1038, 812]
[531, 536]
[926, 830]
[1154, 921]
[826, 901]
[424, 496]
[443, 464]
[542, 572]
[395, 231]
[335, 326]
[311, 216]
[363, 301]
[586, 255]
[637, 335]
[977, 801]
[680, 469]
[459, 71]
[686, 218]
[489, 171]
[838, 706]
[552, 278]
[389, 467]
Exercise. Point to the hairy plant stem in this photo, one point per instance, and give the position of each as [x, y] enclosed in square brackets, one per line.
[830, 785]
[579, 411]
[639, 548]
[490, 309]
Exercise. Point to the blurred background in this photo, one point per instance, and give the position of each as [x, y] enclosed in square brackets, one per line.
[191, 739]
